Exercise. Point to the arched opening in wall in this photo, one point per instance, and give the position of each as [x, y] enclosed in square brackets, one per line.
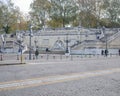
[58, 46]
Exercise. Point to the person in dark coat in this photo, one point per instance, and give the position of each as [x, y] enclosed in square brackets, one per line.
[119, 52]
[102, 52]
[36, 54]
[106, 52]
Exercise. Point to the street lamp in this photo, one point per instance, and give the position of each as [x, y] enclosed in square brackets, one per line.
[30, 35]
[67, 43]
[20, 50]
[35, 41]
[106, 48]
[79, 32]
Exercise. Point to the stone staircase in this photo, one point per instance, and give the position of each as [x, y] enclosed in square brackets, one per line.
[114, 36]
[110, 36]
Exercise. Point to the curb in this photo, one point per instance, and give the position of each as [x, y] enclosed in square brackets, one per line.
[7, 64]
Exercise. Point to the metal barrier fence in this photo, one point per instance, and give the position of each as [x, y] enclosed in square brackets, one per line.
[51, 57]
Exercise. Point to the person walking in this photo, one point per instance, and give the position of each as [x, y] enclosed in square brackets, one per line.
[119, 52]
[102, 52]
[106, 52]
[36, 54]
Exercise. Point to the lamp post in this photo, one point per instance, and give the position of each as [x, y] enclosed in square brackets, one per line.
[20, 50]
[30, 35]
[35, 41]
[106, 48]
[67, 43]
[79, 32]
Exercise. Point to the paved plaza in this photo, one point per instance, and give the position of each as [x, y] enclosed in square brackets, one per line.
[61, 76]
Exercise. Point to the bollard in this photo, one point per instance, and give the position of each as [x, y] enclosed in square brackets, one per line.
[110, 55]
[71, 57]
[25, 58]
[17, 57]
[47, 56]
[1, 58]
[66, 57]
[41, 56]
[97, 55]
[89, 55]
[34, 57]
[53, 57]
[21, 59]
[81, 56]
[61, 57]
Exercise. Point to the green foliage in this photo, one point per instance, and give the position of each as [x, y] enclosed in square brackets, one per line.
[87, 13]
[59, 13]
[6, 29]
[64, 10]
[112, 8]
[54, 23]
[40, 11]
[10, 17]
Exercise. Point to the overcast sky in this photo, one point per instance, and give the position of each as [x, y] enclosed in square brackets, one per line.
[24, 5]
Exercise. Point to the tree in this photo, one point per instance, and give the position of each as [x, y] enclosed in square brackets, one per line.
[6, 29]
[113, 11]
[55, 13]
[63, 11]
[9, 16]
[88, 12]
[39, 12]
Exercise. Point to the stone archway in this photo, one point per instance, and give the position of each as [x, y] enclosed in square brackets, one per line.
[58, 45]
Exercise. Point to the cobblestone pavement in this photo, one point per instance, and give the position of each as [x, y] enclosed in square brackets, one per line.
[106, 84]
[97, 86]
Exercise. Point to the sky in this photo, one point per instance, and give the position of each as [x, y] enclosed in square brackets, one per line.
[24, 5]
